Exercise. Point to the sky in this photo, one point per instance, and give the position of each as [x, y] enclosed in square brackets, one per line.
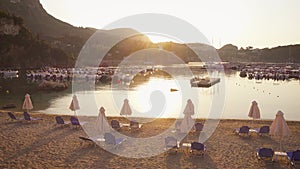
[256, 23]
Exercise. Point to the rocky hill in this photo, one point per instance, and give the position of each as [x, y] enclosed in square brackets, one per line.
[45, 27]
[19, 48]
[32, 37]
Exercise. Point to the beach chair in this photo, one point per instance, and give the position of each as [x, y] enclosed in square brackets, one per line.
[28, 118]
[294, 157]
[13, 117]
[264, 130]
[171, 143]
[75, 122]
[177, 126]
[115, 125]
[111, 140]
[197, 148]
[92, 140]
[134, 125]
[198, 127]
[265, 154]
[243, 131]
[60, 121]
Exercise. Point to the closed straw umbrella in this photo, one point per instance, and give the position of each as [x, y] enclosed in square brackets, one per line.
[187, 122]
[126, 110]
[27, 104]
[74, 104]
[254, 111]
[279, 127]
[101, 123]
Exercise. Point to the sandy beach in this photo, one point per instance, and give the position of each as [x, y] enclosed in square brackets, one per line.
[42, 144]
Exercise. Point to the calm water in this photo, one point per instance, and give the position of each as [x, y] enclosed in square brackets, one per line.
[152, 96]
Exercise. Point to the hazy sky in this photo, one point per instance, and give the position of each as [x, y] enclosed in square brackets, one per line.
[257, 23]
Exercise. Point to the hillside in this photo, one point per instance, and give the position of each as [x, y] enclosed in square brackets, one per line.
[46, 27]
[20, 49]
[280, 54]
[70, 39]
[67, 40]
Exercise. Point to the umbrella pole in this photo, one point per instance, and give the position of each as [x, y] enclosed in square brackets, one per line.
[280, 144]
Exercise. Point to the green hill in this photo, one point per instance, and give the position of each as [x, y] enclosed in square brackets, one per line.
[19, 48]
[280, 54]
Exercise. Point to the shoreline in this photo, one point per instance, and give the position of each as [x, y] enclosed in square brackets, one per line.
[42, 144]
[166, 118]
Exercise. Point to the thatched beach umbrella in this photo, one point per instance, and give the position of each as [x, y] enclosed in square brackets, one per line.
[187, 122]
[126, 110]
[27, 104]
[279, 127]
[254, 111]
[101, 123]
[74, 104]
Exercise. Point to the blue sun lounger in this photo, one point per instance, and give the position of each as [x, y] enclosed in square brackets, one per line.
[294, 157]
[13, 117]
[28, 118]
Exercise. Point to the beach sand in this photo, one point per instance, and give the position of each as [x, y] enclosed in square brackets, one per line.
[42, 144]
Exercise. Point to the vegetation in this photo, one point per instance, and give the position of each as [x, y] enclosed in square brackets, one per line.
[46, 41]
[26, 51]
[280, 54]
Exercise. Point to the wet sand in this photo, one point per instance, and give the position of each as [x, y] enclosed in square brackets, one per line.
[42, 144]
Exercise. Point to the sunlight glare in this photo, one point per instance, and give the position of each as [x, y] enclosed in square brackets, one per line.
[143, 103]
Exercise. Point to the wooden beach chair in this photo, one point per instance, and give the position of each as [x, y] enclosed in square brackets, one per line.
[13, 117]
[28, 118]
[294, 158]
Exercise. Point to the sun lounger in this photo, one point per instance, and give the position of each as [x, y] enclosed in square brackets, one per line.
[177, 126]
[13, 117]
[92, 139]
[171, 143]
[197, 148]
[75, 122]
[244, 130]
[264, 130]
[60, 121]
[115, 124]
[135, 125]
[198, 127]
[265, 154]
[110, 139]
[294, 157]
[28, 118]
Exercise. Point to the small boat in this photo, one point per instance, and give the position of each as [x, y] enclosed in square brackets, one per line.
[173, 90]
[243, 74]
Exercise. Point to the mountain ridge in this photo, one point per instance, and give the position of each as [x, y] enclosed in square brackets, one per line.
[70, 39]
